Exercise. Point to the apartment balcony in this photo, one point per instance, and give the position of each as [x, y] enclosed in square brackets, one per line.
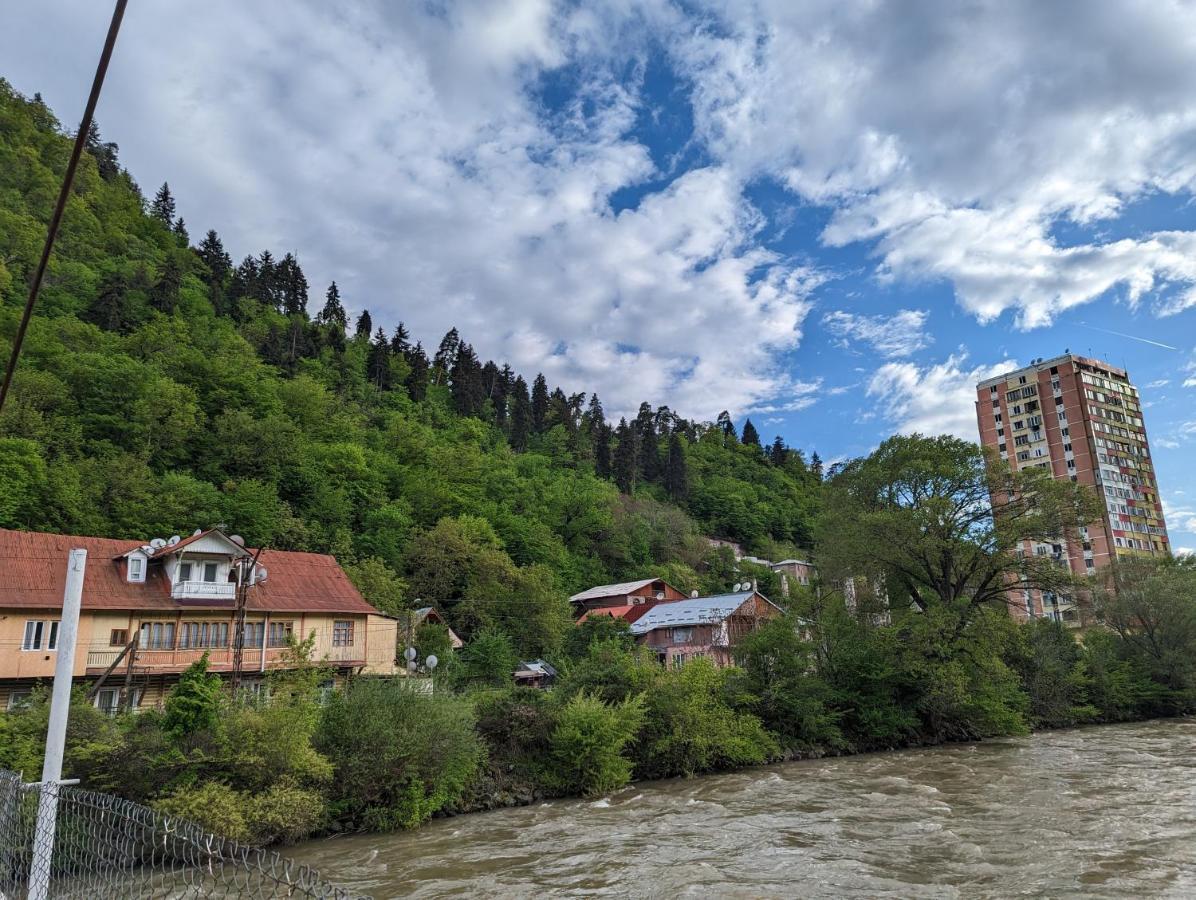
[220, 659]
[204, 590]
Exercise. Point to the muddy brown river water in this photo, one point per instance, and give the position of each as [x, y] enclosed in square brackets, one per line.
[1097, 812]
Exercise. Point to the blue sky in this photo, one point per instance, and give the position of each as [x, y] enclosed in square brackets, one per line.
[834, 217]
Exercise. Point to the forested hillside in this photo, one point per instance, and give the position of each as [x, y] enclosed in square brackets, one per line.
[165, 387]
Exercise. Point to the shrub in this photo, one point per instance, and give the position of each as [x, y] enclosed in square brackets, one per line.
[489, 660]
[194, 703]
[587, 745]
[399, 756]
[1050, 664]
[691, 728]
[213, 806]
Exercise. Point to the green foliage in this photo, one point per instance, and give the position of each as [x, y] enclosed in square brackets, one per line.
[690, 727]
[597, 629]
[399, 755]
[1052, 669]
[488, 660]
[587, 745]
[193, 705]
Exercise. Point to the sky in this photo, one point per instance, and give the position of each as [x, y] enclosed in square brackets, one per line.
[832, 217]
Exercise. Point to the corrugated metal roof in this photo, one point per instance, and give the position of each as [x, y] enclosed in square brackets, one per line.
[33, 576]
[612, 590]
[695, 611]
[631, 612]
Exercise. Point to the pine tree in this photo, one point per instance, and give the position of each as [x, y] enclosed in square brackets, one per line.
[816, 465]
[417, 376]
[292, 287]
[365, 325]
[521, 415]
[244, 280]
[109, 310]
[400, 341]
[333, 313]
[676, 478]
[162, 208]
[603, 464]
[539, 404]
[267, 287]
[595, 416]
[725, 425]
[626, 457]
[180, 232]
[164, 295]
[218, 262]
[446, 355]
[378, 361]
[466, 382]
[501, 397]
[778, 453]
[103, 153]
[751, 437]
[649, 447]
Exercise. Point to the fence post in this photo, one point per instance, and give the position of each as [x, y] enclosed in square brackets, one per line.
[60, 708]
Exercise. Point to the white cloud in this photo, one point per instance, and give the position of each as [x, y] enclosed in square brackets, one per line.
[931, 400]
[957, 138]
[900, 334]
[1162, 382]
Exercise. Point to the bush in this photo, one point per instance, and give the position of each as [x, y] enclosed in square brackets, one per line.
[1050, 665]
[587, 745]
[690, 728]
[399, 756]
[213, 806]
[487, 660]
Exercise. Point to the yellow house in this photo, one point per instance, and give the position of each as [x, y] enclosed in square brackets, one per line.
[151, 609]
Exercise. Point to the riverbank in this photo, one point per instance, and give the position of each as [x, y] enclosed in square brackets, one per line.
[1093, 812]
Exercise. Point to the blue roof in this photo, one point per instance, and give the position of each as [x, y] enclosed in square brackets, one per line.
[695, 611]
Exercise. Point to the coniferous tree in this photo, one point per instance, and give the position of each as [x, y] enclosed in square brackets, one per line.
[465, 383]
[595, 417]
[103, 153]
[725, 425]
[603, 464]
[162, 208]
[778, 453]
[109, 310]
[400, 341]
[378, 361]
[649, 447]
[267, 287]
[676, 479]
[164, 295]
[626, 457]
[446, 355]
[292, 287]
[539, 404]
[503, 385]
[521, 415]
[365, 325]
[417, 376]
[218, 262]
[751, 437]
[244, 280]
[180, 232]
[333, 312]
[816, 465]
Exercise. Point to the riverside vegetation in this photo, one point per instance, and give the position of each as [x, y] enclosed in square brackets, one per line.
[162, 386]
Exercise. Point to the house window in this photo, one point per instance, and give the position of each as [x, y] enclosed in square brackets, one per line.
[136, 568]
[119, 637]
[254, 632]
[184, 571]
[19, 698]
[342, 634]
[157, 636]
[40, 635]
[108, 701]
[203, 635]
[280, 633]
[209, 572]
[682, 635]
[678, 660]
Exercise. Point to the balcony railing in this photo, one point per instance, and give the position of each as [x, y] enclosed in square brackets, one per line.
[204, 590]
[218, 657]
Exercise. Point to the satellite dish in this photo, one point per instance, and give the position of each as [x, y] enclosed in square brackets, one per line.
[157, 543]
[196, 531]
[410, 653]
[146, 548]
[431, 662]
[238, 540]
[693, 595]
[174, 539]
[738, 587]
[260, 575]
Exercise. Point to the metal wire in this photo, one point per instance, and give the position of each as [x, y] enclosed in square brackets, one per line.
[108, 847]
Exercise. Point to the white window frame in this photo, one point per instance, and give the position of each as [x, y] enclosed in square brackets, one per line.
[36, 633]
[136, 569]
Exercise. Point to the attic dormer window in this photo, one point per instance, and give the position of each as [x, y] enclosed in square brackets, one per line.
[136, 568]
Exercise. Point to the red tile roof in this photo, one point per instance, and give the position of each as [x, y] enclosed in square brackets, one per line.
[33, 576]
[628, 613]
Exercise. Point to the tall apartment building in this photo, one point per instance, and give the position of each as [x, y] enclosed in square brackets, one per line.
[1081, 419]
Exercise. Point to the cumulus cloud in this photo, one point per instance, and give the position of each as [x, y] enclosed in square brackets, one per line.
[960, 137]
[935, 399]
[900, 334]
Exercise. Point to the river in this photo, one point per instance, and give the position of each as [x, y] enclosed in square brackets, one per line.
[1107, 811]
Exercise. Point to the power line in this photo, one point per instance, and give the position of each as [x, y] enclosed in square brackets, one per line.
[69, 179]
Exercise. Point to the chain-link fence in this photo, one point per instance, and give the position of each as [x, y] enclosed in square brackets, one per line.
[104, 846]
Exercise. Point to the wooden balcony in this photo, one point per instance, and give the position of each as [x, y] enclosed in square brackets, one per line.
[220, 659]
[204, 590]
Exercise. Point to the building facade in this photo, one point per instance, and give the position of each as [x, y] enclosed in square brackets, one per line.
[1080, 419]
[623, 596]
[149, 610]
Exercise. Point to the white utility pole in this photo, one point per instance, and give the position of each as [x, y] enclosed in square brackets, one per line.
[60, 708]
